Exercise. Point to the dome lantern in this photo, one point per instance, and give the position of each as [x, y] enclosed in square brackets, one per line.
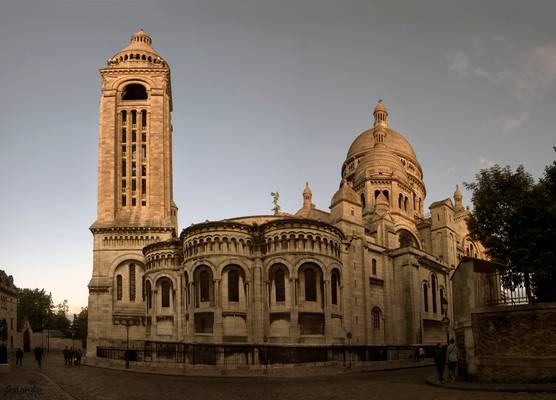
[381, 115]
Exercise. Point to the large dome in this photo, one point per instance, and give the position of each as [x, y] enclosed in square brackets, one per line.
[395, 141]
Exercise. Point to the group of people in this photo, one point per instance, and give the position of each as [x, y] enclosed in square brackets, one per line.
[38, 353]
[441, 355]
[72, 356]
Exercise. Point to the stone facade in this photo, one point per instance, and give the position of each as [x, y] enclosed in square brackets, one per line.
[372, 270]
[8, 311]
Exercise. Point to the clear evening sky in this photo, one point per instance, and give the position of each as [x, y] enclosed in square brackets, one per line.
[267, 95]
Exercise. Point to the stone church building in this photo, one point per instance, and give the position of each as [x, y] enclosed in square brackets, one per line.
[372, 270]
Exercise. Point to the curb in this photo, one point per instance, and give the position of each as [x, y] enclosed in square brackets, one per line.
[494, 387]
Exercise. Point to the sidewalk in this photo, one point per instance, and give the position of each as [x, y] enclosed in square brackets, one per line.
[494, 387]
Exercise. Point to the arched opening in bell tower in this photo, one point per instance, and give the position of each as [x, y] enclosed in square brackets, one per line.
[134, 91]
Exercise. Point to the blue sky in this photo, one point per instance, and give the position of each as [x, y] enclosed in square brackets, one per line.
[267, 95]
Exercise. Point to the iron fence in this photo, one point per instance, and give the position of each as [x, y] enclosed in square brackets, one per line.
[245, 355]
[503, 291]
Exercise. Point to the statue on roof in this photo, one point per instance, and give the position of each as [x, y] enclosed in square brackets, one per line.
[275, 199]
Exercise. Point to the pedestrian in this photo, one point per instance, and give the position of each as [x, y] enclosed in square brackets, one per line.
[421, 353]
[78, 355]
[66, 355]
[19, 357]
[416, 354]
[452, 355]
[440, 360]
[38, 355]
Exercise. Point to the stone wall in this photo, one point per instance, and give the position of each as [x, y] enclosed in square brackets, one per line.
[516, 343]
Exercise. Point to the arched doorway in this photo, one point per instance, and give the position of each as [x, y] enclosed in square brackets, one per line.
[26, 341]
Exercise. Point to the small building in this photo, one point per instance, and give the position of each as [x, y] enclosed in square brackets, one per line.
[8, 311]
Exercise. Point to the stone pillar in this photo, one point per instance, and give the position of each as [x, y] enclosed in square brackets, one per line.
[258, 302]
[327, 315]
[218, 331]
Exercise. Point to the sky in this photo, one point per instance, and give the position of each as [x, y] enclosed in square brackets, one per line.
[267, 95]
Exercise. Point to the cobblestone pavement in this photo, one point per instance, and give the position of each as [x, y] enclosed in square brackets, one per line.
[55, 381]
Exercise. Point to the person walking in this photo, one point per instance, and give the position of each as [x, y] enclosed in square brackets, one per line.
[452, 355]
[19, 357]
[78, 355]
[421, 354]
[440, 360]
[38, 355]
[66, 355]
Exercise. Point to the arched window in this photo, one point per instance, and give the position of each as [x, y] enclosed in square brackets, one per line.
[134, 91]
[205, 286]
[149, 294]
[376, 318]
[406, 239]
[334, 283]
[233, 285]
[373, 266]
[433, 292]
[310, 285]
[443, 300]
[405, 204]
[131, 282]
[363, 202]
[280, 284]
[165, 293]
[119, 287]
[400, 201]
[426, 296]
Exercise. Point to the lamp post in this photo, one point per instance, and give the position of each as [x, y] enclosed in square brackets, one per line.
[127, 322]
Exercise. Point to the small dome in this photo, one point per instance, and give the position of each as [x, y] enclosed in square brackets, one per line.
[345, 193]
[138, 53]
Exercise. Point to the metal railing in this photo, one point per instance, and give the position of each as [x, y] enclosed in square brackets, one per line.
[503, 291]
[244, 355]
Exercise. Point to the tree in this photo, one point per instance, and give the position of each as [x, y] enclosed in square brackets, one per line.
[80, 325]
[36, 306]
[59, 319]
[514, 217]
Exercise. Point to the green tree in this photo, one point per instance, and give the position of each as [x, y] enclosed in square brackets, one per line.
[514, 217]
[36, 306]
[80, 325]
[59, 319]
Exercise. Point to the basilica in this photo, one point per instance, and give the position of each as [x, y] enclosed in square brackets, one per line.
[372, 269]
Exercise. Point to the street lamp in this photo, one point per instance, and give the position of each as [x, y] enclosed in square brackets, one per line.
[127, 322]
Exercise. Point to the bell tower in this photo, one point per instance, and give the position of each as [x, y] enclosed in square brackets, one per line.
[135, 204]
[135, 146]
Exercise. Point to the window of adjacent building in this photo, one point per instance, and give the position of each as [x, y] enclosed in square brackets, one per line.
[148, 294]
[205, 286]
[233, 286]
[373, 266]
[376, 318]
[426, 296]
[279, 282]
[433, 292]
[165, 286]
[119, 288]
[310, 285]
[131, 282]
[334, 282]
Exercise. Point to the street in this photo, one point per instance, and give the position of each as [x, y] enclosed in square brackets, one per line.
[56, 381]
